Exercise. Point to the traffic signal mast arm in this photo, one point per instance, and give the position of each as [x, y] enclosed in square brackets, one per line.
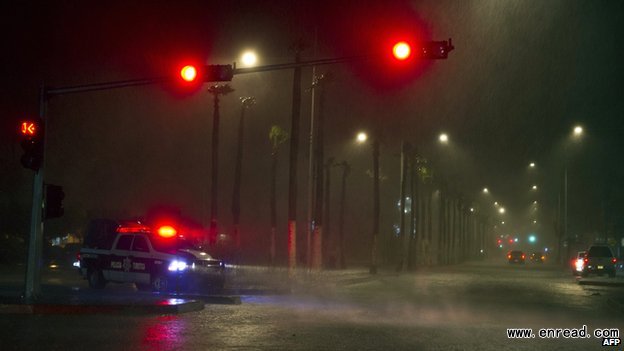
[432, 50]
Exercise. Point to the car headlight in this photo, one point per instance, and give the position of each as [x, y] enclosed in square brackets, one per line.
[177, 266]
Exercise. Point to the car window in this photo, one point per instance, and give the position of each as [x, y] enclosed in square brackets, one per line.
[600, 251]
[124, 242]
[140, 244]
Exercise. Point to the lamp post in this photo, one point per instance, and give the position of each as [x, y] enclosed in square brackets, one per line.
[361, 138]
[215, 91]
[577, 132]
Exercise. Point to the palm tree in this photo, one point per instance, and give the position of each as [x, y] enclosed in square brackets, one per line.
[215, 90]
[294, 153]
[277, 136]
[246, 103]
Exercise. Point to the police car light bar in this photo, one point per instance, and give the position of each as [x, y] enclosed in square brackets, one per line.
[133, 228]
[167, 231]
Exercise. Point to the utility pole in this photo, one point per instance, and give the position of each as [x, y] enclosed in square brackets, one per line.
[346, 169]
[246, 103]
[317, 232]
[292, 171]
[375, 236]
[215, 90]
[329, 245]
[404, 235]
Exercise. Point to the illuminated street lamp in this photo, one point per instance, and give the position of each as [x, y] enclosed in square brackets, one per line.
[443, 138]
[578, 131]
[534, 187]
[249, 59]
[361, 137]
[485, 190]
[501, 210]
[532, 165]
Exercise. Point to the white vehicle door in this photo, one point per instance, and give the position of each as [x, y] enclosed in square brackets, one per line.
[120, 262]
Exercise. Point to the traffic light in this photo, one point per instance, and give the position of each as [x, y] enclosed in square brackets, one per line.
[32, 143]
[207, 73]
[401, 51]
[188, 73]
[54, 196]
[437, 50]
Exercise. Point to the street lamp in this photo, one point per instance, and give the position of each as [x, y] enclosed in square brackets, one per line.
[249, 59]
[577, 132]
[532, 165]
[361, 138]
[443, 138]
[485, 190]
[501, 210]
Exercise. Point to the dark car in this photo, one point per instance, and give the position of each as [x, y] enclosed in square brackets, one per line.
[537, 257]
[599, 260]
[516, 256]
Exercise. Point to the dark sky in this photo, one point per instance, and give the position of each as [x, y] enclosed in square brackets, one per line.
[522, 73]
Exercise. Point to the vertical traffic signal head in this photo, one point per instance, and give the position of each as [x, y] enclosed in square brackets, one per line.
[32, 142]
[54, 196]
[401, 51]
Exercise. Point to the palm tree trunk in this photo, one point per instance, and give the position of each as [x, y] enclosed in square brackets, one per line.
[292, 172]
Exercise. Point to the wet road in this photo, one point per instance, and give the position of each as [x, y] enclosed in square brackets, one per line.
[468, 307]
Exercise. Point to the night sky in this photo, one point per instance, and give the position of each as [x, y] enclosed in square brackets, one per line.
[522, 74]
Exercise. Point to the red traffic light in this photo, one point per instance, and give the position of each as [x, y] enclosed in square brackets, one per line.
[188, 73]
[401, 51]
[29, 128]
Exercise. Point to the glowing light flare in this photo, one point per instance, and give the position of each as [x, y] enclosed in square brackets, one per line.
[188, 73]
[249, 59]
[401, 51]
[362, 137]
[167, 231]
[29, 128]
[578, 130]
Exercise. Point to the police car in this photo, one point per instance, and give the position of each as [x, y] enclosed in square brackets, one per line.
[158, 260]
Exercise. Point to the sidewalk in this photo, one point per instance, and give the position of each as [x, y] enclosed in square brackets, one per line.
[63, 291]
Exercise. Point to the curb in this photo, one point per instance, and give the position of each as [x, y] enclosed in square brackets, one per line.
[170, 306]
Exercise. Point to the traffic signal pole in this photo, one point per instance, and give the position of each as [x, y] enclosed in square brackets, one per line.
[34, 264]
[35, 244]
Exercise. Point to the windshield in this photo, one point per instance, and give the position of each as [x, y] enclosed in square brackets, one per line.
[172, 245]
[599, 251]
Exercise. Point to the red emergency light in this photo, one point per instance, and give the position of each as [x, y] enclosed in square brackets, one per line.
[167, 231]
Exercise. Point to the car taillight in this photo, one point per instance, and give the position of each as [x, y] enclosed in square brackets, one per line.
[509, 257]
[523, 257]
[614, 260]
[585, 260]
